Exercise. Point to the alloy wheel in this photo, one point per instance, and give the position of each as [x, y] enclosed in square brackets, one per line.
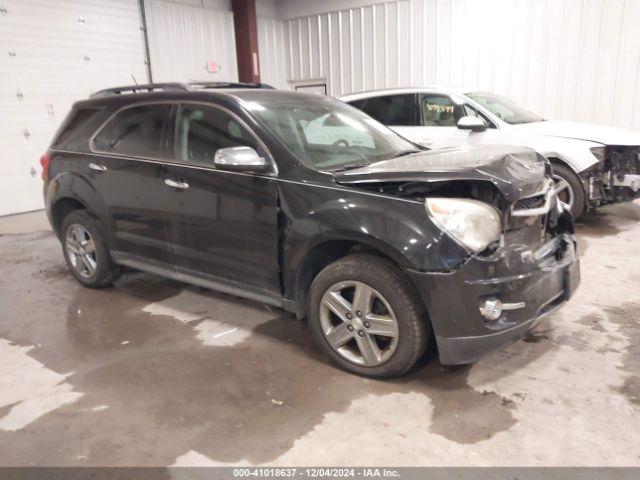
[358, 323]
[81, 250]
[563, 190]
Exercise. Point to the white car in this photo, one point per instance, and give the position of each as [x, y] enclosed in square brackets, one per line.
[592, 165]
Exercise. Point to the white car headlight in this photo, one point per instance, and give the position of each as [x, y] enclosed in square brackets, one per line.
[474, 224]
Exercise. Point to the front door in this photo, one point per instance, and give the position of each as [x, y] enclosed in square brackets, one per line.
[224, 224]
[439, 115]
[126, 169]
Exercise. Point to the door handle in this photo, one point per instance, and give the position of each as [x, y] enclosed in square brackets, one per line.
[179, 184]
[97, 167]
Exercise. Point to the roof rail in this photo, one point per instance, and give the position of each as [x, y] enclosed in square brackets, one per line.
[151, 87]
[205, 85]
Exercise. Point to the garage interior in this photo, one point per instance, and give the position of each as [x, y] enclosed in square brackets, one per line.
[152, 372]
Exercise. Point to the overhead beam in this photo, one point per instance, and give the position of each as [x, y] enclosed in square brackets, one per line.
[246, 30]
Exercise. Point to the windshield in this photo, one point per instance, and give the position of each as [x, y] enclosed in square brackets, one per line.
[327, 134]
[504, 108]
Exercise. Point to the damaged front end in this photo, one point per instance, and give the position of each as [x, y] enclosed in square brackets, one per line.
[497, 296]
[497, 293]
[616, 176]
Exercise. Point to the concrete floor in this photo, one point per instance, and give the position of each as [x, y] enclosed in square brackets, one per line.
[153, 372]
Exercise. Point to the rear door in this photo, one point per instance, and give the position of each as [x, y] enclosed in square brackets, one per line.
[126, 171]
[224, 224]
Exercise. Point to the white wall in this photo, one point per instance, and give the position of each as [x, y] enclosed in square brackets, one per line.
[566, 59]
[184, 35]
[272, 52]
[54, 52]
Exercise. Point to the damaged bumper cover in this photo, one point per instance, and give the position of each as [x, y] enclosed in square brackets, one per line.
[616, 178]
[534, 282]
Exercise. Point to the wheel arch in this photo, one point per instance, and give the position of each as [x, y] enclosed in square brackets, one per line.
[68, 192]
[557, 160]
[327, 251]
[63, 207]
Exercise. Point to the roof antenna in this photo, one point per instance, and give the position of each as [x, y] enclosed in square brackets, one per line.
[134, 79]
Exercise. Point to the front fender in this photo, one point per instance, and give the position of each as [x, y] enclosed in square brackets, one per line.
[575, 153]
[398, 228]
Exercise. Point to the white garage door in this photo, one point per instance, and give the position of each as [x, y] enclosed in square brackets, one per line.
[54, 52]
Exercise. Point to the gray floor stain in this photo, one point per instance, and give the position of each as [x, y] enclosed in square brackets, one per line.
[463, 414]
[593, 321]
[576, 340]
[597, 224]
[168, 393]
[607, 221]
[627, 319]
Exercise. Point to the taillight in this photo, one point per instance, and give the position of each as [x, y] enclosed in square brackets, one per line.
[45, 160]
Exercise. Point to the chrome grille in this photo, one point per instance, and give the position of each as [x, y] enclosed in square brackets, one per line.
[531, 202]
[537, 204]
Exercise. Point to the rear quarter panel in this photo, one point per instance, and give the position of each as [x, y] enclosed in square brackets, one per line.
[67, 180]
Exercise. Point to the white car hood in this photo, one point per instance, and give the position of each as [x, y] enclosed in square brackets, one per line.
[580, 131]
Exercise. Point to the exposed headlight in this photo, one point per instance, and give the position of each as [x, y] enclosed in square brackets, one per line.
[599, 152]
[473, 224]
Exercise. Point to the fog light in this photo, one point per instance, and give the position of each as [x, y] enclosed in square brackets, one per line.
[491, 308]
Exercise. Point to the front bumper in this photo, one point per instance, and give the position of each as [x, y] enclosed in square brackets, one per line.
[614, 179]
[543, 280]
[628, 181]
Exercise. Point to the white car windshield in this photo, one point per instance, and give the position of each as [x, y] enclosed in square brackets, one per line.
[327, 134]
[505, 109]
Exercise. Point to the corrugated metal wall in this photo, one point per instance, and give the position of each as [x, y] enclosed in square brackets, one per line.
[55, 52]
[567, 59]
[273, 58]
[183, 38]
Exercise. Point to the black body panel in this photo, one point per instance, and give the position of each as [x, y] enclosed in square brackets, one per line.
[462, 334]
[516, 171]
[224, 224]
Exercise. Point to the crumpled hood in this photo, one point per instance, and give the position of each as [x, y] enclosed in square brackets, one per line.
[581, 131]
[516, 171]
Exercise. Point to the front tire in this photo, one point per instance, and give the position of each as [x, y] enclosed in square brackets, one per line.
[365, 314]
[570, 189]
[85, 251]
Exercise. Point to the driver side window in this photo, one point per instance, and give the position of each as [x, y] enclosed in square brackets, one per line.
[203, 130]
[440, 111]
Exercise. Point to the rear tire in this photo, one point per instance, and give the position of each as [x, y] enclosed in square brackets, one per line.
[366, 315]
[573, 191]
[86, 252]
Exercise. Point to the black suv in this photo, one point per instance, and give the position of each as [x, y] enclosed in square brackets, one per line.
[303, 202]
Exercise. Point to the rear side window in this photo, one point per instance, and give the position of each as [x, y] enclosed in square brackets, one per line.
[400, 110]
[136, 131]
[73, 128]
